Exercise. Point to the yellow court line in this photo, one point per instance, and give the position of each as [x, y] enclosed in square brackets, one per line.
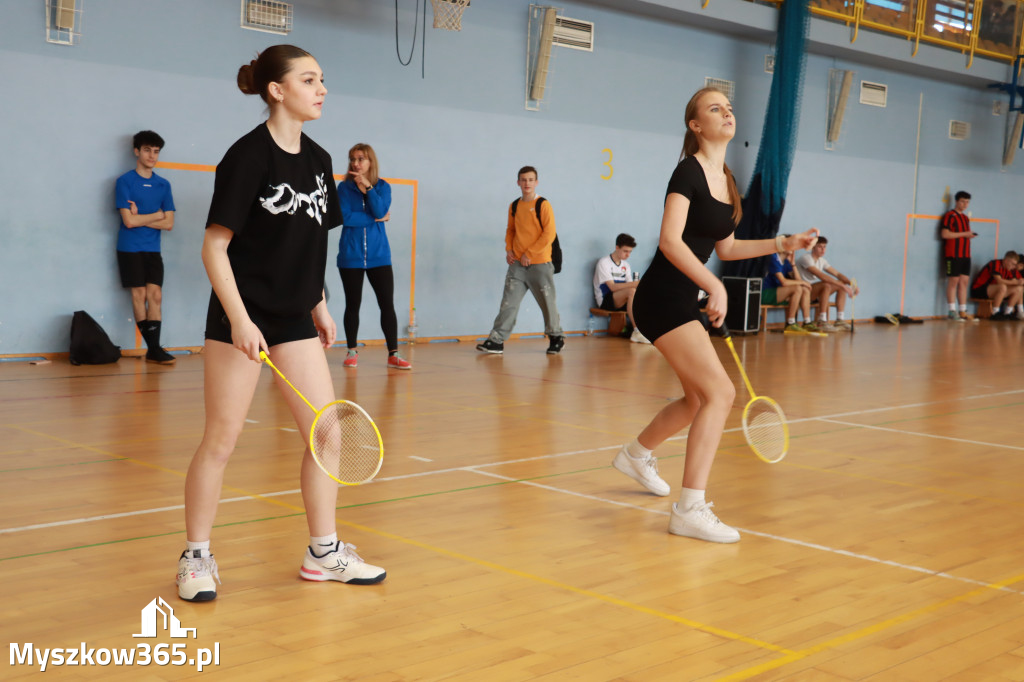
[794, 656]
[789, 655]
[703, 627]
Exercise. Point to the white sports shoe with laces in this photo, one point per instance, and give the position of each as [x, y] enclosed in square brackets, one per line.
[644, 470]
[341, 564]
[700, 522]
[196, 573]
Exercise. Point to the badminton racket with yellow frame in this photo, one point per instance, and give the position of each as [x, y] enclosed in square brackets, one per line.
[764, 424]
[345, 442]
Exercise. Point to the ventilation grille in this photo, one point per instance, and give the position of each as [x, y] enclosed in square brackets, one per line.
[574, 33]
[769, 63]
[873, 94]
[959, 130]
[268, 16]
[728, 87]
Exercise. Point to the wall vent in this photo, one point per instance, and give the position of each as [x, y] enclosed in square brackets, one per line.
[959, 130]
[873, 94]
[268, 16]
[728, 87]
[769, 63]
[574, 33]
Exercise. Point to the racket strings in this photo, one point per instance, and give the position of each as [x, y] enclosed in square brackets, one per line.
[765, 428]
[346, 444]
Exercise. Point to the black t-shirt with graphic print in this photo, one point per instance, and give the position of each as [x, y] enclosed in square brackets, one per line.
[279, 207]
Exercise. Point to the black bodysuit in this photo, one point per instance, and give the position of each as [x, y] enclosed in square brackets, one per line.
[666, 298]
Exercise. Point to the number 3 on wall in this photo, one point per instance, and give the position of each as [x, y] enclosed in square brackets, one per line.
[611, 171]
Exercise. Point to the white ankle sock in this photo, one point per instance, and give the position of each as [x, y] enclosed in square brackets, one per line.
[791, 320]
[952, 307]
[193, 546]
[689, 497]
[637, 451]
[323, 545]
[963, 307]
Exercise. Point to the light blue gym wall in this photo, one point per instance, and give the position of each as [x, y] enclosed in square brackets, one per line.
[69, 112]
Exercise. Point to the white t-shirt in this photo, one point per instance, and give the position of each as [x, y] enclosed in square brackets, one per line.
[606, 270]
[808, 261]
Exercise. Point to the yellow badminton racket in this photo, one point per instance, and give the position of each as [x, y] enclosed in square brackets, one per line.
[345, 442]
[764, 424]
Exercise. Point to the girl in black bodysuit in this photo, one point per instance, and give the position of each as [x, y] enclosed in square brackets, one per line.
[702, 209]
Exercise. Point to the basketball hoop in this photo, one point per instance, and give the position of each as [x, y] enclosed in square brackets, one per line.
[448, 14]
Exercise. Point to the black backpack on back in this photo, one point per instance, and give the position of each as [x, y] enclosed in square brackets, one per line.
[556, 248]
[90, 345]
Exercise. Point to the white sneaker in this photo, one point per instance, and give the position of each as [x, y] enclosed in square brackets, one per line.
[644, 470]
[196, 575]
[341, 564]
[700, 522]
[637, 337]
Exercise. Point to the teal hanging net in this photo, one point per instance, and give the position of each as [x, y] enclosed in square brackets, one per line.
[766, 195]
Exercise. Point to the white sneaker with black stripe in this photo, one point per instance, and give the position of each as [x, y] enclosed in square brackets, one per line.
[196, 573]
[341, 564]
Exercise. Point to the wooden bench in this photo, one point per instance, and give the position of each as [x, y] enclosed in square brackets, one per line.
[984, 307]
[616, 319]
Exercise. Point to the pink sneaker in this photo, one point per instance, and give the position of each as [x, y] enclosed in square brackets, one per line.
[398, 362]
[352, 359]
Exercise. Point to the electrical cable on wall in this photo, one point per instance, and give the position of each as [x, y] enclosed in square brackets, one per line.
[415, 32]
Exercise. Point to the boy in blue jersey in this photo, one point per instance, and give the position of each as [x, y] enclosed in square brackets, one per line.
[146, 206]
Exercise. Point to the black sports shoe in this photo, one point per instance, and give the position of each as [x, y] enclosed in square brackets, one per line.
[557, 342]
[160, 356]
[999, 317]
[489, 346]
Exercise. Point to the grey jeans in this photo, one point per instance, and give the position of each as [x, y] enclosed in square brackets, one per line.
[540, 281]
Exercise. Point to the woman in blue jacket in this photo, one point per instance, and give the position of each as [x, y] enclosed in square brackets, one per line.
[365, 207]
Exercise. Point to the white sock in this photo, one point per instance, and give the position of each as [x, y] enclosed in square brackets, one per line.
[1007, 310]
[322, 545]
[841, 316]
[689, 497]
[952, 307]
[203, 546]
[1020, 307]
[963, 307]
[637, 451]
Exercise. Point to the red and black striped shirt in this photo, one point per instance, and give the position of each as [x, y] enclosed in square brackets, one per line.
[961, 246]
[987, 274]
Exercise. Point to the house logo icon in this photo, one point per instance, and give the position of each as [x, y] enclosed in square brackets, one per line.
[159, 612]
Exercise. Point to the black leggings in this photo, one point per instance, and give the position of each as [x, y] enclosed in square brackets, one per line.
[382, 280]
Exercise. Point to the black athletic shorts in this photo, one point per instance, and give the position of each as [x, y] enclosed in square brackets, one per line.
[276, 329]
[139, 268]
[957, 267]
[608, 303]
[980, 292]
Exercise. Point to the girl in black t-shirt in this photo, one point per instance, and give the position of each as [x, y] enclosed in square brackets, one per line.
[265, 251]
[702, 209]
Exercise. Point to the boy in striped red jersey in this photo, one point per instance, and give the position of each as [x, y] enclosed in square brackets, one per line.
[957, 235]
[999, 281]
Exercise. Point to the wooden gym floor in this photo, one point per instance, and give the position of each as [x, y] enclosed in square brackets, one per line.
[887, 546]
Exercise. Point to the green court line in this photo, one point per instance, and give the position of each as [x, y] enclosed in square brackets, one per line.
[285, 516]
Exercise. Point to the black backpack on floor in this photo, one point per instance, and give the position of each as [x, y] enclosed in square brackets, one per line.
[90, 345]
